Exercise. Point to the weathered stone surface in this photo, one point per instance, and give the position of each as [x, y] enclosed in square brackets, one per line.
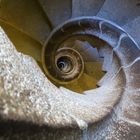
[120, 11]
[31, 107]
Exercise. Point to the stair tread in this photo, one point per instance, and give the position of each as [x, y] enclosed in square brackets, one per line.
[85, 82]
[88, 52]
[26, 19]
[86, 7]
[133, 28]
[94, 69]
[57, 12]
[111, 72]
[108, 56]
[74, 86]
[24, 43]
[120, 11]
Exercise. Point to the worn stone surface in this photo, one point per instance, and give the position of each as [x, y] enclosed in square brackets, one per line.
[120, 11]
[31, 107]
[133, 28]
[86, 8]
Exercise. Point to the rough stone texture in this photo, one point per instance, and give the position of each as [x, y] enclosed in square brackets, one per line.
[120, 11]
[86, 7]
[133, 28]
[31, 107]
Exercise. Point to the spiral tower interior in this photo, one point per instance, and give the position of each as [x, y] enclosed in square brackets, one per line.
[82, 46]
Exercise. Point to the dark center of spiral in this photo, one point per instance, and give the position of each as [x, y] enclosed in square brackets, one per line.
[65, 64]
[68, 64]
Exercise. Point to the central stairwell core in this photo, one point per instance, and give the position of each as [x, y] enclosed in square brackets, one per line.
[73, 60]
[68, 65]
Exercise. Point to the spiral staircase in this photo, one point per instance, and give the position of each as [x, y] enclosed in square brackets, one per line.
[82, 46]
